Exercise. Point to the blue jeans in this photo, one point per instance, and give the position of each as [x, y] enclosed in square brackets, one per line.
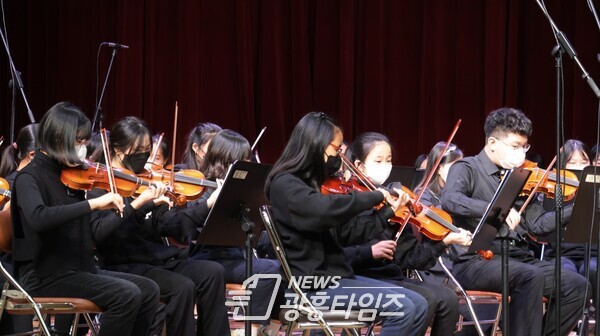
[407, 319]
[578, 267]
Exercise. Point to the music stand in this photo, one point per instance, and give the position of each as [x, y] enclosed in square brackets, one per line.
[583, 226]
[492, 224]
[234, 219]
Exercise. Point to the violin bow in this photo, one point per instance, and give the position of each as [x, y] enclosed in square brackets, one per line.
[534, 190]
[262, 131]
[1, 139]
[428, 178]
[153, 156]
[174, 144]
[252, 149]
[109, 168]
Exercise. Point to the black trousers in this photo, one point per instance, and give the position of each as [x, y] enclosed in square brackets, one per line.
[129, 301]
[262, 295]
[185, 282]
[442, 310]
[529, 280]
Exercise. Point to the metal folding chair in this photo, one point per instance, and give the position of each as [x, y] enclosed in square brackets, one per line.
[308, 317]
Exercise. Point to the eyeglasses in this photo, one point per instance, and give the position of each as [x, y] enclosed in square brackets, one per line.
[338, 149]
[516, 148]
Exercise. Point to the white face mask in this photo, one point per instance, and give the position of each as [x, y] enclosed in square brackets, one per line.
[378, 172]
[512, 159]
[81, 152]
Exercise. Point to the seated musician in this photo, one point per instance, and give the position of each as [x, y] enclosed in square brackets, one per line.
[469, 188]
[225, 148]
[371, 153]
[133, 244]
[54, 256]
[574, 156]
[304, 217]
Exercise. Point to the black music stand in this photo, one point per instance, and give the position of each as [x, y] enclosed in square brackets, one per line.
[492, 225]
[583, 226]
[234, 219]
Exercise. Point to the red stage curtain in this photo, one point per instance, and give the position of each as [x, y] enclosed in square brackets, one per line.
[406, 68]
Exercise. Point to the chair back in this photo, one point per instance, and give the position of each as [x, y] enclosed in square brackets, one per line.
[305, 306]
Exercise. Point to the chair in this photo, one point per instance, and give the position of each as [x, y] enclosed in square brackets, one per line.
[471, 297]
[15, 300]
[308, 317]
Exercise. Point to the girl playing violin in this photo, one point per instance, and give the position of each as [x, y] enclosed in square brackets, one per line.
[53, 221]
[304, 217]
[14, 158]
[163, 153]
[133, 243]
[575, 156]
[225, 148]
[432, 193]
[371, 153]
[197, 144]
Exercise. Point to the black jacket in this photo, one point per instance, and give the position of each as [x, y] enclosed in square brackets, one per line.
[304, 217]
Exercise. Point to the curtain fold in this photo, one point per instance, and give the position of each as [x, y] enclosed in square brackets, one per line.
[407, 68]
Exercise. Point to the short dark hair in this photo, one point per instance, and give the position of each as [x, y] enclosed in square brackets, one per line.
[200, 135]
[303, 154]
[507, 120]
[14, 153]
[226, 147]
[364, 144]
[60, 128]
[126, 132]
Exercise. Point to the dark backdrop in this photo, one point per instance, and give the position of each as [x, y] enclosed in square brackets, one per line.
[408, 69]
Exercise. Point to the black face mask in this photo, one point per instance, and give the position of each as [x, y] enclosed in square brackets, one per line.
[333, 164]
[136, 162]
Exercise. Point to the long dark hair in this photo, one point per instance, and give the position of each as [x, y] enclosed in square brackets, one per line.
[200, 135]
[14, 153]
[572, 146]
[303, 154]
[364, 144]
[451, 155]
[226, 147]
[126, 133]
[59, 129]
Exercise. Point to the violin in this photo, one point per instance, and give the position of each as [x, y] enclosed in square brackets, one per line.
[340, 184]
[541, 180]
[4, 192]
[187, 183]
[95, 175]
[431, 222]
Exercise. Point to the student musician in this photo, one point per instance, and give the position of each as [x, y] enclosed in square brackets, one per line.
[574, 156]
[197, 145]
[163, 153]
[371, 153]
[14, 158]
[469, 188]
[225, 148]
[133, 243]
[56, 258]
[304, 217]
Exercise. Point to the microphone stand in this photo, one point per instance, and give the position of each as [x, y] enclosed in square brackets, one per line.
[17, 84]
[563, 45]
[98, 117]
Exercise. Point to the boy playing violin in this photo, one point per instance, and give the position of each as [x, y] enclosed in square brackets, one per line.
[470, 186]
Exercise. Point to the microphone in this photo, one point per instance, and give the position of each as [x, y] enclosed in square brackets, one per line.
[115, 45]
